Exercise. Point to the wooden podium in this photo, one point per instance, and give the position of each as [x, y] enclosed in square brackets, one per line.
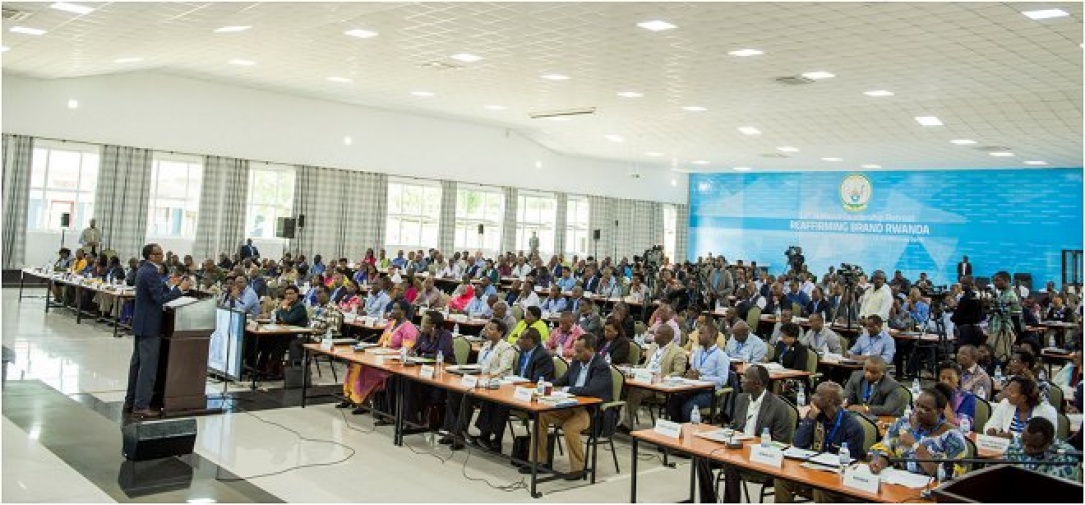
[1008, 484]
[180, 388]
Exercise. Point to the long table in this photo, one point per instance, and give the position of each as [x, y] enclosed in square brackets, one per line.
[452, 382]
[701, 448]
[80, 285]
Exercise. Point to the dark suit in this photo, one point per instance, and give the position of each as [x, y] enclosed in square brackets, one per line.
[963, 269]
[819, 306]
[618, 350]
[591, 284]
[151, 295]
[774, 414]
[249, 251]
[492, 417]
[597, 384]
[887, 399]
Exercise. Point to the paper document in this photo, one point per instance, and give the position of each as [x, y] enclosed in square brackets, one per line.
[180, 302]
[724, 435]
[828, 459]
[513, 379]
[463, 368]
[796, 453]
[904, 478]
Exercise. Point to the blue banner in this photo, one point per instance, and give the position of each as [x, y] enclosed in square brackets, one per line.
[917, 221]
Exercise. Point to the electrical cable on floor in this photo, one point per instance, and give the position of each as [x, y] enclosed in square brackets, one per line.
[235, 405]
[508, 488]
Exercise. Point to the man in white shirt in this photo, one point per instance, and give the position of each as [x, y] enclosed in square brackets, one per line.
[495, 360]
[877, 300]
[743, 347]
[527, 297]
[808, 285]
[821, 339]
[522, 269]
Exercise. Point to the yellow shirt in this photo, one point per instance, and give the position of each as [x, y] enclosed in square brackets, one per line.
[544, 332]
[78, 265]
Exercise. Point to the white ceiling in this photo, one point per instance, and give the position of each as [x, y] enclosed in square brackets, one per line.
[987, 71]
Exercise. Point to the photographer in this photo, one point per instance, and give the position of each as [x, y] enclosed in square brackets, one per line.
[1008, 307]
[968, 315]
[878, 300]
[721, 285]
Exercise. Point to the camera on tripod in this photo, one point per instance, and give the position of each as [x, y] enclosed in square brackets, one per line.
[794, 257]
[935, 292]
[652, 259]
[850, 273]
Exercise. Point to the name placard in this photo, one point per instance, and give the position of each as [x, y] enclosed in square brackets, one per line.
[669, 429]
[326, 344]
[469, 381]
[862, 479]
[426, 372]
[991, 443]
[380, 360]
[642, 375]
[523, 394]
[767, 456]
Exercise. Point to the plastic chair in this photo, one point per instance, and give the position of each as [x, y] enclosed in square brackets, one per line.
[870, 432]
[560, 366]
[812, 367]
[908, 393]
[635, 352]
[983, 413]
[1062, 431]
[1055, 396]
[517, 312]
[770, 353]
[462, 349]
[753, 319]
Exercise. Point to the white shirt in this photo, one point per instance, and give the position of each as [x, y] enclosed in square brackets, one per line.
[531, 300]
[751, 414]
[808, 288]
[521, 270]
[657, 357]
[877, 301]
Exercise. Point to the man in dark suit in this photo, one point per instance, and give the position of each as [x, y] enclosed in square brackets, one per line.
[818, 304]
[533, 362]
[249, 251]
[870, 391]
[151, 295]
[588, 375]
[963, 268]
[756, 409]
[591, 280]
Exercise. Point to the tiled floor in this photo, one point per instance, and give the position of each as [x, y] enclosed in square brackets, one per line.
[87, 364]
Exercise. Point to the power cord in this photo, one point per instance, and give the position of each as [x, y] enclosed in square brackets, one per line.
[508, 488]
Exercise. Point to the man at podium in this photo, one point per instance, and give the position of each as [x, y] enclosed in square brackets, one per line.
[151, 295]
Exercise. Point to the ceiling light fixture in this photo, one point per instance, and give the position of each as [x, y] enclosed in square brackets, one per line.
[341, 80]
[360, 33]
[700, 162]
[820, 74]
[554, 77]
[695, 108]
[615, 138]
[1035, 163]
[73, 104]
[741, 169]
[26, 30]
[656, 25]
[1045, 14]
[878, 93]
[788, 149]
[466, 57]
[1001, 154]
[746, 52]
[832, 159]
[630, 94]
[232, 29]
[962, 142]
[347, 141]
[422, 93]
[928, 121]
[871, 166]
[73, 8]
[749, 130]
[241, 62]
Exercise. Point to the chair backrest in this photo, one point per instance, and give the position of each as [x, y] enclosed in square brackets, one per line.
[462, 348]
[796, 309]
[753, 318]
[907, 394]
[983, 413]
[1062, 431]
[770, 353]
[1054, 395]
[793, 420]
[811, 361]
[970, 453]
[617, 383]
[634, 353]
[560, 366]
[870, 432]
[517, 312]
[639, 328]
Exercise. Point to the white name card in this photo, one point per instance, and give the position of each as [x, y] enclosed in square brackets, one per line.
[992, 443]
[469, 381]
[642, 375]
[326, 344]
[426, 372]
[669, 429]
[380, 360]
[523, 394]
[862, 479]
[767, 456]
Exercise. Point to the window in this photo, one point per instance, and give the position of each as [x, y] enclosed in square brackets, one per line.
[535, 215]
[175, 196]
[577, 219]
[670, 231]
[271, 196]
[63, 177]
[414, 214]
[475, 207]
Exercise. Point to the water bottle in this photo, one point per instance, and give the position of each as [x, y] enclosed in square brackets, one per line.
[766, 437]
[695, 415]
[998, 373]
[608, 359]
[1042, 376]
[777, 313]
[981, 393]
[965, 425]
[845, 455]
[456, 329]
[916, 389]
[540, 386]
[941, 472]
[403, 354]
[800, 397]
[908, 412]
[1051, 341]
[440, 358]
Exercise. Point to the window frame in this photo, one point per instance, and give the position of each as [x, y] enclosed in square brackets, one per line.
[523, 226]
[426, 223]
[466, 226]
[574, 229]
[283, 203]
[194, 163]
[80, 206]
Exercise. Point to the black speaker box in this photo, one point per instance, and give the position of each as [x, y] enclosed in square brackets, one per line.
[481, 228]
[65, 220]
[158, 439]
[596, 234]
[301, 220]
[145, 478]
[284, 227]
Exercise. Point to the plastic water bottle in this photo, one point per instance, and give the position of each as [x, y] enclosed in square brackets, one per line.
[456, 329]
[440, 358]
[800, 397]
[695, 415]
[403, 354]
[998, 373]
[608, 359]
[981, 393]
[777, 313]
[965, 425]
[766, 437]
[941, 472]
[540, 386]
[916, 389]
[1042, 376]
[1051, 341]
[845, 456]
[908, 412]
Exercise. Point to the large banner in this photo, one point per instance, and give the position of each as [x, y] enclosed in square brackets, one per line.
[918, 221]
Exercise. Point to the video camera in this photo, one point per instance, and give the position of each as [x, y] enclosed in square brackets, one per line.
[850, 273]
[652, 259]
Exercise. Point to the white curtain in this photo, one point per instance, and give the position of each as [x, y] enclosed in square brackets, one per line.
[364, 212]
[122, 198]
[225, 193]
[681, 248]
[18, 154]
[508, 227]
[446, 238]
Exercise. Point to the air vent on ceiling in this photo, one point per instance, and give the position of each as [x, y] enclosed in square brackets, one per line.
[439, 65]
[560, 113]
[994, 149]
[794, 80]
[15, 14]
[775, 155]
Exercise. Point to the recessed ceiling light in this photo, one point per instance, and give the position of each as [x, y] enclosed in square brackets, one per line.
[746, 52]
[1035, 162]
[674, 181]
[878, 92]
[341, 80]
[820, 74]
[26, 30]
[73, 104]
[656, 25]
[231, 29]
[700, 162]
[749, 130]
[4, 49]
[554, 77]
[74, 8]
[422, 93]
[1046, 14]
[962, 142]
[496, 107]
[788, 149]
[360, 33]
[630, 94]
[615, 138]
[347, 141]
[241, 62]
[695, 108]
[466, 57]
[653, 154]
[1001, 154]
[871, 165]
[928, 121]
[832, 159]
[742, 169]
[130, 59]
